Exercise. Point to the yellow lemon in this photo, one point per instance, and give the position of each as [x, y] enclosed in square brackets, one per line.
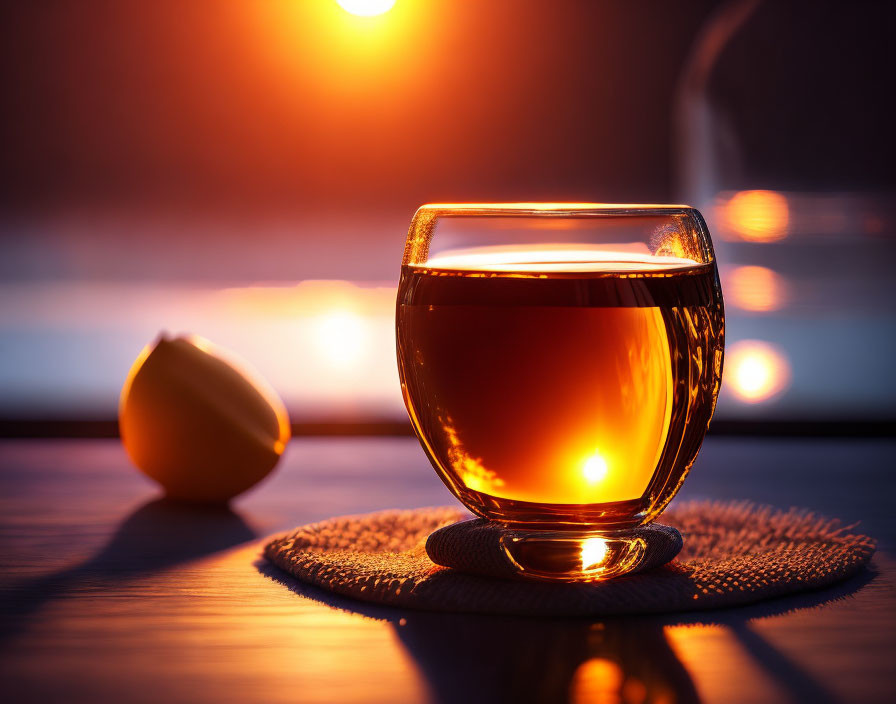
[199, 421]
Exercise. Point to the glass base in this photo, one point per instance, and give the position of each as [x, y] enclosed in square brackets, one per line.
[564, 556]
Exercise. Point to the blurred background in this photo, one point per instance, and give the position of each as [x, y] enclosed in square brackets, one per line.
[246, 171]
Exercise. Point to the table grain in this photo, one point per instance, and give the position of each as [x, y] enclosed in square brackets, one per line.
[110, 593]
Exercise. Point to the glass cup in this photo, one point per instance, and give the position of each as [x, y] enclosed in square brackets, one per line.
[560, 363]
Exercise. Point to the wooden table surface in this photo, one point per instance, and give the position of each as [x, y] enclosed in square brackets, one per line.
[111, 594]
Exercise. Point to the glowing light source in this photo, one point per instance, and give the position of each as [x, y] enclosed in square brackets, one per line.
[339, 337]
[366, 8]
[758, 216]
[597, 681]
[595, 468]
[756, 288]
[756, 371]
[594, 552]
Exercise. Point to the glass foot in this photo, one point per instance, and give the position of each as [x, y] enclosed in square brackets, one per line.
[491, 549]
[573, 557]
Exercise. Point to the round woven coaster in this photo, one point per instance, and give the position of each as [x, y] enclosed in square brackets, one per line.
[733, 554]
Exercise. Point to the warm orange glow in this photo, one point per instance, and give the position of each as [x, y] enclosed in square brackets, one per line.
[337, 338]
[758, 216]
[755, 288]
[335, 668]
[366, 8]
[278, 327]
[596, 681]
[471, 471]
[594, 552]
[329, 59]
[595, 469]
[340, 337]
[596, 414]
[756, 371]
[307, 298]
[715, 657]
[338, 314]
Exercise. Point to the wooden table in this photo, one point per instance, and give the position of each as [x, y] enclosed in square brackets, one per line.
[110, 594]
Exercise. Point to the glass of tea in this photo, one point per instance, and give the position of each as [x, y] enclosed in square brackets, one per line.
[560, 363]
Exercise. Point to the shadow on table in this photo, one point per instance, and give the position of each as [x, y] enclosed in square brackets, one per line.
[159, 534]
[474, 658]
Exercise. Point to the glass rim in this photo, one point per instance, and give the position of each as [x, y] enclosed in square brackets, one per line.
[423, 223]
[551, 208]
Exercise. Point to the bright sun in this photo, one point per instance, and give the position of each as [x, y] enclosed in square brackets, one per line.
[366, 8]
[595, 468]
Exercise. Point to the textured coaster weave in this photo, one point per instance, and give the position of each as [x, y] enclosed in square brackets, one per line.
[733, 554]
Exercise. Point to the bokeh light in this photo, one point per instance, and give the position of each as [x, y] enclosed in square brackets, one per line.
[597, 680]
[755, 288]
[756, 371]
[758, 216]
[340, 337]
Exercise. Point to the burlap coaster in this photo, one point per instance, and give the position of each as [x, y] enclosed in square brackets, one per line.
[733, 554]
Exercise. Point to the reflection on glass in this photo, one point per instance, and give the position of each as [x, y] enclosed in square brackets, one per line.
[470, 469]
[756, 371]
[594, 552]
[757, 216]
[559, 258]
[566, 555]
[755, 288]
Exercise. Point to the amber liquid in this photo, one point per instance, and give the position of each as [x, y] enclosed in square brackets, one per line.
[574, 396]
